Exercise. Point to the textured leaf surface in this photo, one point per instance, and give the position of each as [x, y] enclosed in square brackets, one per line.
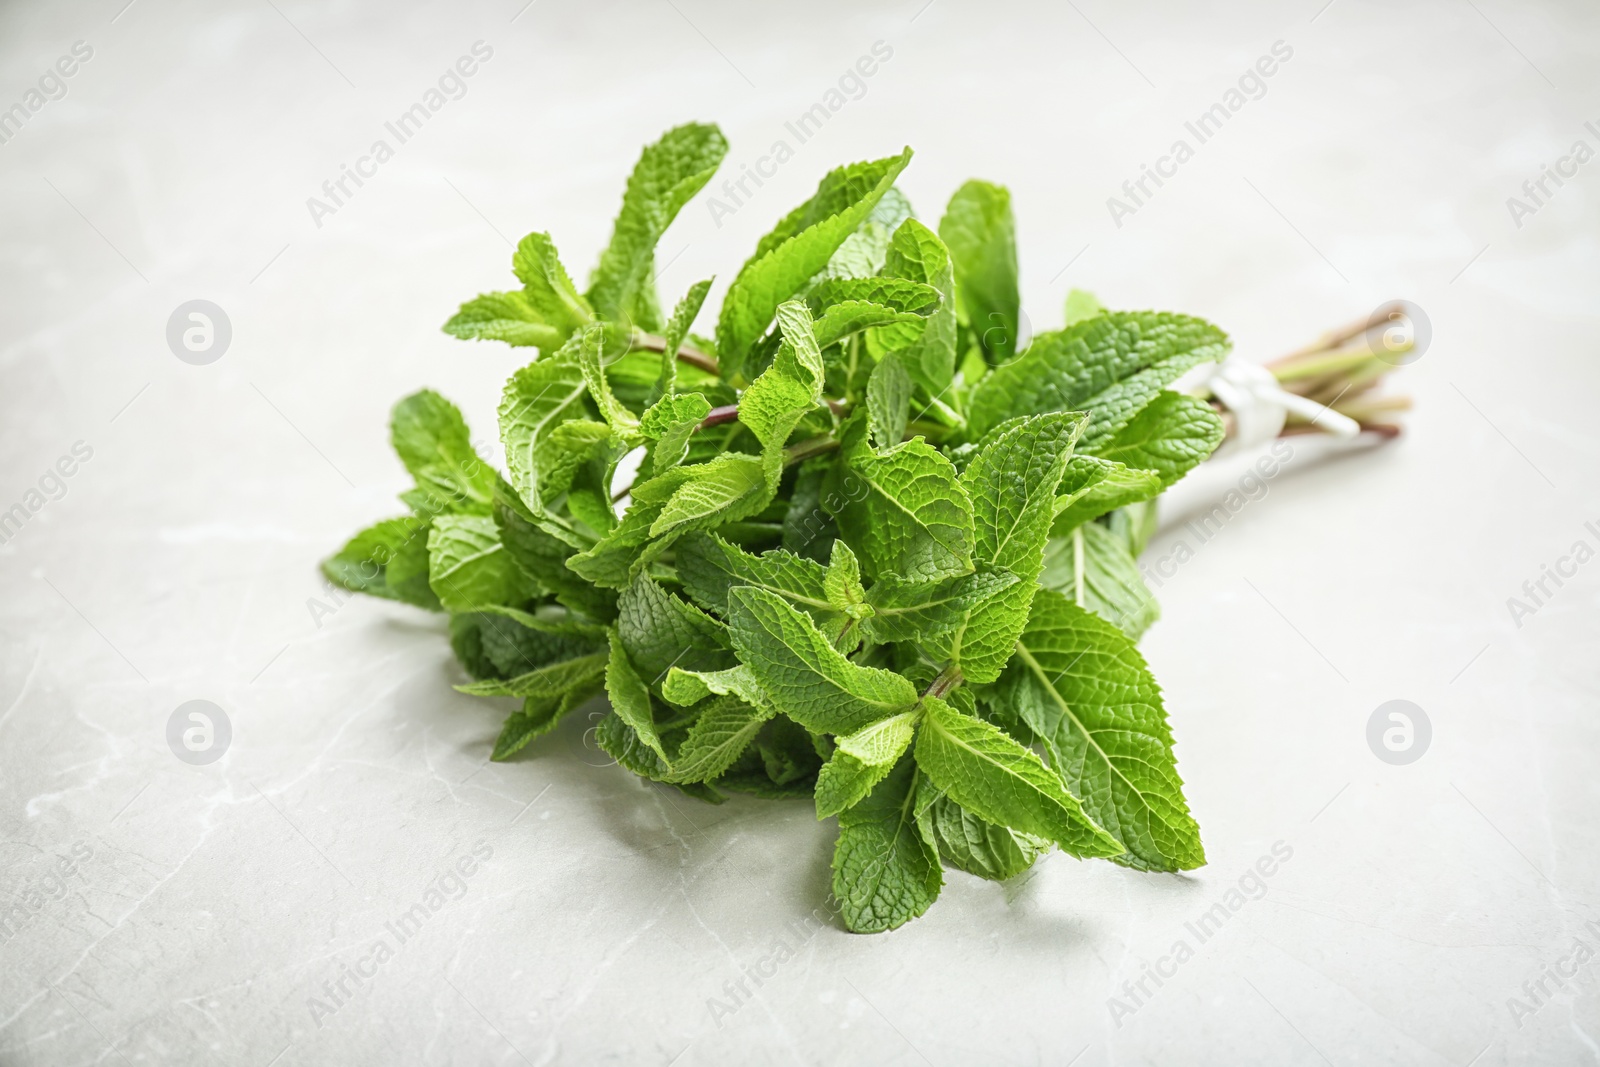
[1170, 436]
[986, 772]
[972, 844]
[468, 567]
[1080, 684]
[1110, 365]
[798, 667]
[723, 731]
[904, 510]
[1093, 486]
[432, 440]
[928, 349]
[668, 173]
[782, 268]
[885, 873]
[539, 399]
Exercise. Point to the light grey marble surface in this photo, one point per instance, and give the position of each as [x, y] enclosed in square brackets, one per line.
[211, 908]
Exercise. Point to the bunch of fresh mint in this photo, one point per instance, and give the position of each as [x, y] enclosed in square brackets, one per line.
[873, 553]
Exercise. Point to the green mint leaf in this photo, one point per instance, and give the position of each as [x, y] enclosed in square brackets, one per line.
[432, 440]
[558, 679]
[981, 234]
[921, 611]
[718, 737]
[802, 673]
[985, 771]
[468, 566]
[1110, 365]
[546, 287]
[660, 631]
[630, 697]
[539, 715]
[591, 355]
[905, 510]
[670, 422]
[676, 333]
[686, 688]
[1080, 684]
[731, 487]
[844, 781]
[538, 400]
[1093, 568]
[540, 548]
[849, 305]
[515, 642]
[1170, 436]
[928, 349]
[884, 742]
[885, 872]
[972, 844]
[366, 563]
[503, 316]
[843, 583]
[1012, 482]
[781, 268]
[668, 174]
[1091, 487]
[709, 568]
[1082, 305]
[888, 403]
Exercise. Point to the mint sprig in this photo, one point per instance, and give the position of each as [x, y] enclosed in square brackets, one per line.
[867, 549]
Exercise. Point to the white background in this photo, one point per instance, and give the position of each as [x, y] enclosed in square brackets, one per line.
[181, 560]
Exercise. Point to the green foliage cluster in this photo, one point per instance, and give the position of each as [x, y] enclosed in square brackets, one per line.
[879, 550]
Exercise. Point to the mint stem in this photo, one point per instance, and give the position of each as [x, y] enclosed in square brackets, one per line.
[649, 342]
[948, 679]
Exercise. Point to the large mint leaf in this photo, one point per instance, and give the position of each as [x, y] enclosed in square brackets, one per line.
[988, 773]
[1084, 689]
[1093, 568]
[806, 678]
[885, 872]
[1110, 365]
[432, 440]
[904, 510]
[780, 269]
[981, 234]
[468, 566]
[1170, 436]
[731, 487]
[668, 173]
